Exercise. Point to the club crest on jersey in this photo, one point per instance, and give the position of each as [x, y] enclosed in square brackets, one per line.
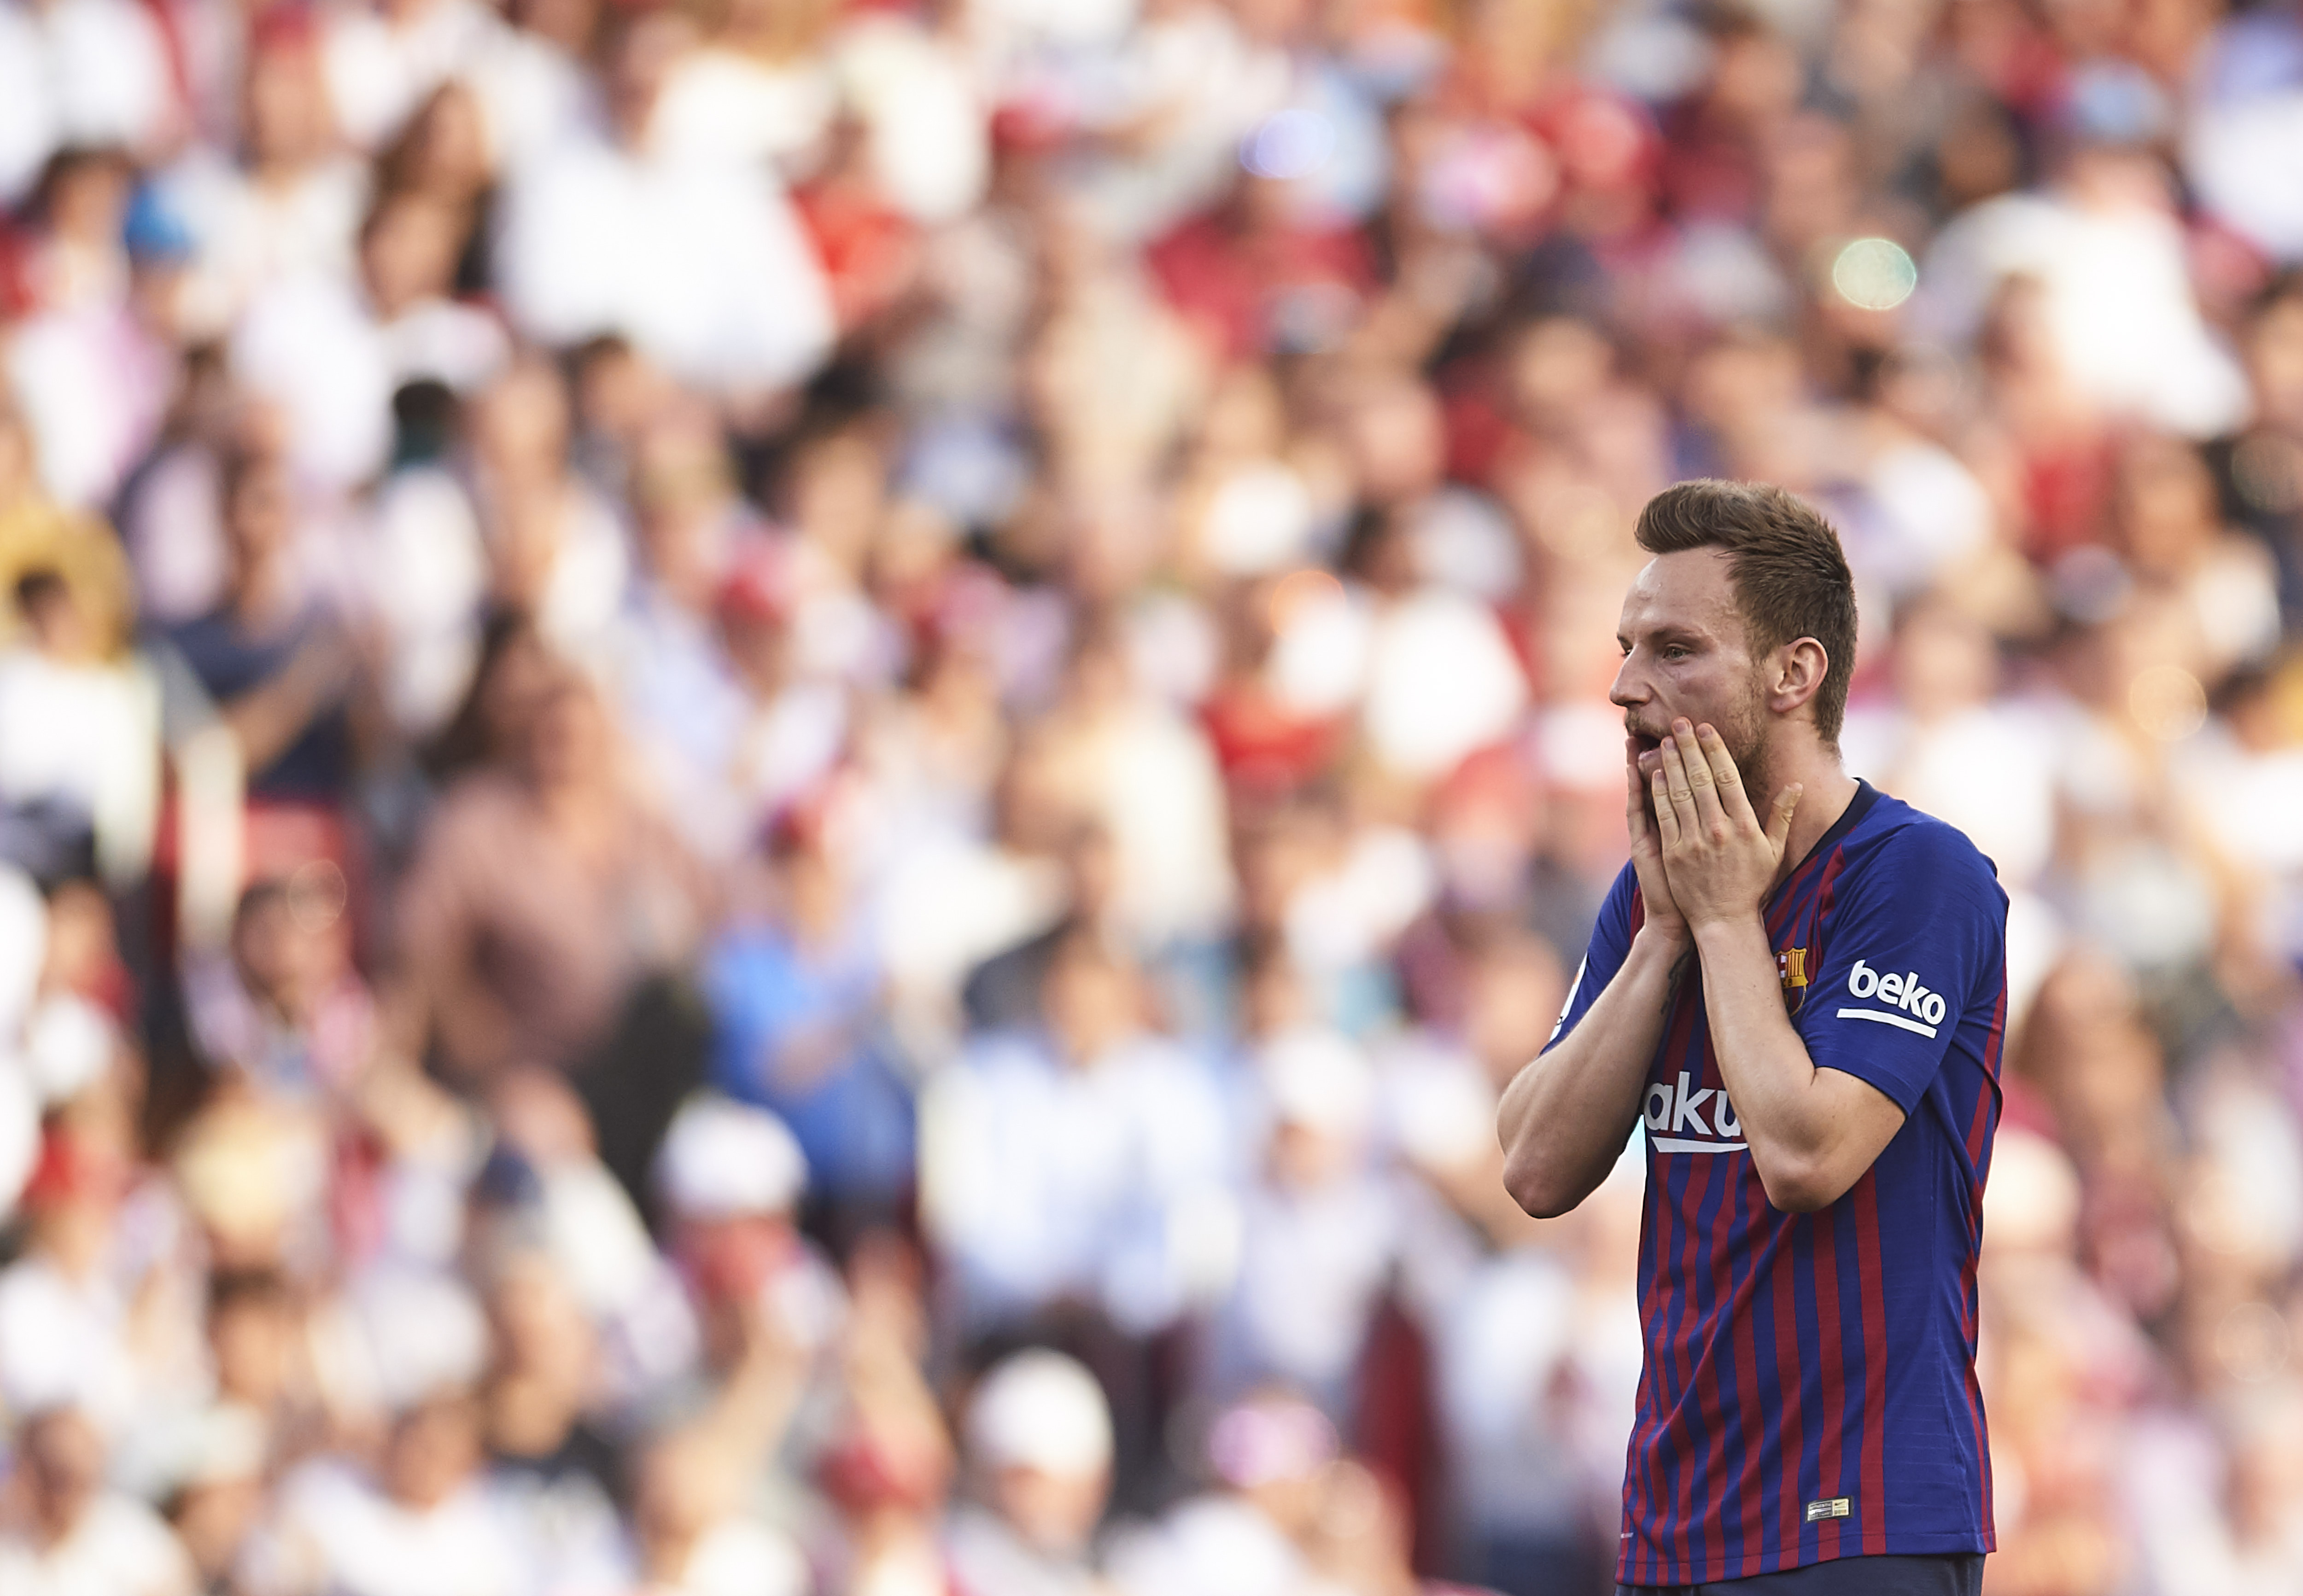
[1791, 969]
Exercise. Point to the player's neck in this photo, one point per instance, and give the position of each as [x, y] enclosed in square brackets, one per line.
[1825, 790]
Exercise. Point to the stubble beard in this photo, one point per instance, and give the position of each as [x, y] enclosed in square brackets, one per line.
[1747, 741]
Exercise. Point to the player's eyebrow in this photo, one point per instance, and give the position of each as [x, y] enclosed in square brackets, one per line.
[1667, 632]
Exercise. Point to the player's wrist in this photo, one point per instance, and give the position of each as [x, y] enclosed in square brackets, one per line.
[1724, 927]
[1670, 935]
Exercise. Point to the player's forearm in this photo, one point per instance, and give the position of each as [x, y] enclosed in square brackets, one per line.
[1564, 1119]
[1790, 1123]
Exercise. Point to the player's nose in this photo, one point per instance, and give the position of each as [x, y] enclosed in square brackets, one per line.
[1628, 691]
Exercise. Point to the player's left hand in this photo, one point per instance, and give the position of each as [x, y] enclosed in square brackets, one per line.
[1721, 862]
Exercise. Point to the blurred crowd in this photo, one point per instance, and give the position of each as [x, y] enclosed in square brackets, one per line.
[781, 779]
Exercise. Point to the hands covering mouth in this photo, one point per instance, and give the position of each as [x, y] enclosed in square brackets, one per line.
[1696, 840]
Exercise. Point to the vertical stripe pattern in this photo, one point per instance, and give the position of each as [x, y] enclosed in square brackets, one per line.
[1795, 1360]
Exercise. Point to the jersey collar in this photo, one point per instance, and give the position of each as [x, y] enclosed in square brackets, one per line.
[1866, 795]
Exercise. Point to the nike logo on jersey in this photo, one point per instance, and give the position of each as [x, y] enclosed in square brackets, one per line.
[1568, 1007]
[1909, 1005]
[1671, 1111]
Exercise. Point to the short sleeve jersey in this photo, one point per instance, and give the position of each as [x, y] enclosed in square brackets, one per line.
[1809, 1390]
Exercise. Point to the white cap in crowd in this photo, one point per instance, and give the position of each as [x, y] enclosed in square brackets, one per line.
[1041, 1410]
[722, 1159]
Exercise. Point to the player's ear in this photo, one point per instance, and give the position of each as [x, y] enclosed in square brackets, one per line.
[1798, 670]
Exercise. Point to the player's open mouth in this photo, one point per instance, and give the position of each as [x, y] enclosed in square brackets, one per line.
[1651, 754]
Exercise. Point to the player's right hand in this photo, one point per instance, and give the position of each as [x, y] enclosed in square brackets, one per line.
[1662, 912]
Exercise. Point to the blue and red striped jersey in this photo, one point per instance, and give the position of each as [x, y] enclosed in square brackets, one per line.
[1808, 1389]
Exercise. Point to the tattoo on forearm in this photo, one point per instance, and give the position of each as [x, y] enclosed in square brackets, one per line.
[1678, 974]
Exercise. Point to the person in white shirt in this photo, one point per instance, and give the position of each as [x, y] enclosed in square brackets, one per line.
[421, 1524]
[290, 204]
[1325, 1231]
[555, 547]
[531, 78]
[79, 72]
[73, 1537]
[382, 59]
[420, 1518]
[1149, 775]
[100, 354]
[2243, 135]
[760, 90]
[2107, 249]
[333, 350]
[1947, 721]
[1084, 1163]
[79, 734]
[680, 692]
[698, 260]
[1039, 1447]
[910, 78]
[511, 525]
[66, 1303]
[1427, 667]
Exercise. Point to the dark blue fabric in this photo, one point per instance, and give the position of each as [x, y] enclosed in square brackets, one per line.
[1794, 1360]
[229, 662]
[1961, 1575]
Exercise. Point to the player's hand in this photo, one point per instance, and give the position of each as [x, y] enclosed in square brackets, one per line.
[1721, 862]
[1662, 915]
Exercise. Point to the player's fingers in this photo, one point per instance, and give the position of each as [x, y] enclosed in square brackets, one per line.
[1700, 780]
[1667, 814]
[1779, 818]
[1733, 800]
[1690, 754]
[1675, 784]
[1635, 791]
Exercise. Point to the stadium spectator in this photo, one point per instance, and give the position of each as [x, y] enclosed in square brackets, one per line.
[71, 1533]
[1038, 1443]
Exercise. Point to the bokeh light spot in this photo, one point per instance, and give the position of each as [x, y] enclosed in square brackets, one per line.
[2167, 702]
[1289, 144]
[1875, 274]
[2252, 1342]
[317, 895]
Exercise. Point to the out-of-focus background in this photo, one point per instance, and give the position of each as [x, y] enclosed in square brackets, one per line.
[782, 779]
